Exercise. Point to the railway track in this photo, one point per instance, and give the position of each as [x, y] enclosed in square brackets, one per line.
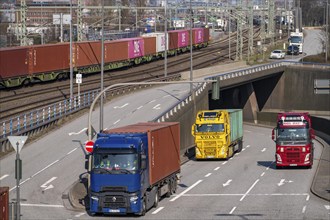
[26, 99]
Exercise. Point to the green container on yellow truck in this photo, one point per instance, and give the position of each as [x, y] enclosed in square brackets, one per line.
[218, 133]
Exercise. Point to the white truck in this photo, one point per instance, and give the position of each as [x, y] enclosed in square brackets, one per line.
[297, 38]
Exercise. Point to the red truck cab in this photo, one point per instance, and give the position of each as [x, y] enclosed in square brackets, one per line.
[294, 136]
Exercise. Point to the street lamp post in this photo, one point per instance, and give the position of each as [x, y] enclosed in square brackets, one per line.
[102, 67]
[71, 59]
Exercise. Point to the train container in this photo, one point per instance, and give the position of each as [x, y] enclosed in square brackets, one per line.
[206, 36]
[14, 63]
[49, 58]
[160, 41]
[197, 36]
[87, 53]
[178, 39]
[149, 45]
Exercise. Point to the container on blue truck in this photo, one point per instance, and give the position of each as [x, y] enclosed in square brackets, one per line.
[132, 167]
[218, 133]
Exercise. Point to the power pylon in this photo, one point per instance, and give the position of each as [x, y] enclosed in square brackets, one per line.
[22, 26]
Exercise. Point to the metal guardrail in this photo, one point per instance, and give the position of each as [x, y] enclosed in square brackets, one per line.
[25, 123]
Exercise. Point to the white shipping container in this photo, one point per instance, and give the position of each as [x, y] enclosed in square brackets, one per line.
[160, 41]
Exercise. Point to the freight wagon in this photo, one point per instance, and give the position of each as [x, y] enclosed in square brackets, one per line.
[41, 63]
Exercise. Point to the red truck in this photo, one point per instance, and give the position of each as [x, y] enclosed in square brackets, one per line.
[294, 136]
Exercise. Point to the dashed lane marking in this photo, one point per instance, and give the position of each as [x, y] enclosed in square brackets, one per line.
[157, 210]
[4, 176]
[209, 174]
[232, 210]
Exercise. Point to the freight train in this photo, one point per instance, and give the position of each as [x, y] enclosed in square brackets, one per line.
[41, 63]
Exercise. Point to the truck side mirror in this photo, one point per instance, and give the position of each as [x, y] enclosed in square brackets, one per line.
[143, 162]
[312, 132]
[87, 157]
[193, 130]
[273, 134]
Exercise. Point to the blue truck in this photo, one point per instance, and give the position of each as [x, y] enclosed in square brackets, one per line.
[132, 167]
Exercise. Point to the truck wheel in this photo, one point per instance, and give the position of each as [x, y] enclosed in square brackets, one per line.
[156, 199]
[144, 207]
[240, 146]
[174, 186]
[168, 194]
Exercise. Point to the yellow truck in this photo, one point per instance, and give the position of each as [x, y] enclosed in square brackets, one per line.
[218, 133]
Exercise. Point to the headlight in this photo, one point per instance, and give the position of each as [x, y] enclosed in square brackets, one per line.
[282, 149]
[94, 198]
[307, 158]
[279, 159]
[133, 198]
[303, 149]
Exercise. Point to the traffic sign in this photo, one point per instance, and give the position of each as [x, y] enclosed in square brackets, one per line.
[79, 78]
[17, 142]
[89, 146]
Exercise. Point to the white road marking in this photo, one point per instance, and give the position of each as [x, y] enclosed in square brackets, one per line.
[116, 121]
[237, 153]
[165, 96]
[224, 163]
[157, 210]
[263, 150]
[243, 149]
[209, 174]
[42, 205]
[189, 188]
[262, 174]
[4, 176]
[72, 151]
[156, 107]
[80, 214]
[140, 107]
[247, 131]
[249, 190]
[45, 187]
[240, 194]
[76, 133]
[232, 210]
[307, 198]
[304, 209]
[126, 104]
[45, 168]
[327, 207]
[152, 101]
[231, 158]
[227, 183]
[247, 146]
[216, 168]
[283, 181]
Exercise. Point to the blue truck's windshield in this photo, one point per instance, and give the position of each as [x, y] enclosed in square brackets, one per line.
[293, 135]
[209, 128]
[116, 161]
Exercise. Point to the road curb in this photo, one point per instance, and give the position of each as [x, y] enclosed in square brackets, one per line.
[321, 181]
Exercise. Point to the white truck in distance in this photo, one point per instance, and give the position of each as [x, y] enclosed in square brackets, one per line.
[297, 38]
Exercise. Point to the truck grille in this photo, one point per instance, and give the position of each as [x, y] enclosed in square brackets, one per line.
[114, 189]
[114, 201]
[209, 143]
[293, 157]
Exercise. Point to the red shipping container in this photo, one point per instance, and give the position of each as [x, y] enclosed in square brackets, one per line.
[163, 146]
[206, 35]
[149, 45]
[14, 62]
[198, 35]
[52, 57]
[87, 53]
[178, 39]
[116, 50]
[4, 203]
